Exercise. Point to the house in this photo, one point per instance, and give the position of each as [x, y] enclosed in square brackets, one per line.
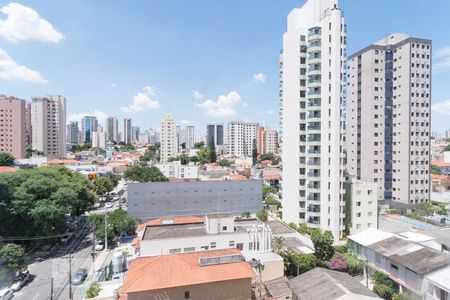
[443, 167]
[176, 170]
[437, 284]
[318, 283]
[406, 262]
[218, 274]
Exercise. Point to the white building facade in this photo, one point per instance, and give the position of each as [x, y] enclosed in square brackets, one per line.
[312, 93]
[389, 117]
[168, 138]
[49, 125]
[241, 138]
[112, 129]
[176, 170]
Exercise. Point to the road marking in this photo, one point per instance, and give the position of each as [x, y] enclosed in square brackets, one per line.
[35, 297]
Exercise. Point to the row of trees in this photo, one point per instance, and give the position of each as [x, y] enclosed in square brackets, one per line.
[144, 174]
[6, 159]
[34, 202]
[119, 223]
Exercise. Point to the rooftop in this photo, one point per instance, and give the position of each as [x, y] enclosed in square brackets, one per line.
[370, 236]
[176, 270]
[441, 278]
[6, 169]
[170, 220]
[419, 259]
[327, 284]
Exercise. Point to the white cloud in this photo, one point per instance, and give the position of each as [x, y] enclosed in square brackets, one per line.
[185, 122]
[442, 58]
[101, 116]
[225, 106]
[261, 113]
[142, 101]
[197, 95]
[259, 77]
[23, 23]
[10, 70]
[441, 107]
[113, 85]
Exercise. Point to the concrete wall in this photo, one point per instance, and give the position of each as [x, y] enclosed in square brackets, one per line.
[159, 199]
[232, 289]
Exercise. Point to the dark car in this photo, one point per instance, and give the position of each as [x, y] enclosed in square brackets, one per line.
[79, 276]
[20, 281]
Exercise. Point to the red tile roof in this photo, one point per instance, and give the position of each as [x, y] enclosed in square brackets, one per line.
[440, 164]
[272, 176]
[136, 243]
[237, 177]
[6, 169]
[174, 220]
[439, 177]
[176, 270]
[63, 162]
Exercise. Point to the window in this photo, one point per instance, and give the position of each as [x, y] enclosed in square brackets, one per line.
[240, 246]
[187, 295]
[358, 215]
[176, 250]
[213, 245]
[394, 267]
[189, 249]
[369, 192]
[358, 203]
[231, 243]
[224, 228]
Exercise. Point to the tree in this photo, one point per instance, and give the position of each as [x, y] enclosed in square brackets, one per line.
[183, 145]
[267, 190]
[271, 201]
[144, 174]
[182, 158]
[304, 263]
[277, 244]
[86, 146]
[119, 222]
[224, 163]
[262, 215]
[6, 159]
[212, 154]
[270, 156]
[447, 148]
[254, 153]
[383, 279]
[14, 257]
[383, 291]
[147, 156]
[303, 228]
[323, 244]
[246, 214]
[199, 145]
[204, 155]
[103, 185]
[435, 170]
[339, 263]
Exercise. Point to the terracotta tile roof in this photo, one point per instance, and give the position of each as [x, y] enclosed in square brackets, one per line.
[5, 169]
[439, 177]
[237, 177]
[266, 162]
[440, 164]
[63, 162]
[170, 220]
[272, 176]
[176, 270]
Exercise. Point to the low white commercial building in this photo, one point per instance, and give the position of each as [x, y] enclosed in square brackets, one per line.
[217, 231]
[361, 205]
[176, 170]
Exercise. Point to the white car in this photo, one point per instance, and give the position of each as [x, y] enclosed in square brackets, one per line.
[109, 205]
[66, 237]
[6, 294]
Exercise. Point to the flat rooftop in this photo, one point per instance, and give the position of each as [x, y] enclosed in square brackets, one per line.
[190, 230]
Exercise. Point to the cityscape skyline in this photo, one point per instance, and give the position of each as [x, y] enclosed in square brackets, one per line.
[145, 86]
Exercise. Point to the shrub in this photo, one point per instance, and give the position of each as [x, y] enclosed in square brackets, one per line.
[382, 279]
[303, 228]
[355, 266]
[339, 263]
[293, 225]
[271, 201]
[383, 291]
[93, 290]
[341, 248]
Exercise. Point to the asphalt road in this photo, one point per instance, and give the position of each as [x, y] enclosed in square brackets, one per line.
[57, 267]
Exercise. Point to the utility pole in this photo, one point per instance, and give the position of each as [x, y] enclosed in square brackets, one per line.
[106, 230]
[93, 249]
[51, 288]
[70, 276]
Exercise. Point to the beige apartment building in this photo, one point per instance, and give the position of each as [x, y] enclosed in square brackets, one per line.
[49, 125]
[388, 117]
[12, 126]
[169, 143]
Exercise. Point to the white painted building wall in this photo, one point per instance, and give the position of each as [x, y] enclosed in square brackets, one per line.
[176, 170]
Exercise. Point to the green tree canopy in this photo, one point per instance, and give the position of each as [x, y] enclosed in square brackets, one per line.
[119, 222]
[34, 202]
[183, 158]
[224, 163]
[14, 257]
[270, 156]
[103, 185]
[6, 159]
[144, 174]
[262, 215]
[323, 244]
[148, 155]
[199, 145]
[267, 190]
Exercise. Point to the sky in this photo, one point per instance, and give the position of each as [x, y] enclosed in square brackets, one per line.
[201, 60]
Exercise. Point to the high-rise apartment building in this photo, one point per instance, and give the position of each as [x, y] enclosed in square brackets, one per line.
[73, 132]
[447, 134]
[241, 138]
[267, 141]
[388, 126]
[214, 135]
[153, 136]
[49, 125]
[127, 131]
[168, 138]
[135, 131]
[190, 136]
[312, 74]
[89, 124]
[112, 129]
[28, 130]
[99, 139]
[12, 126]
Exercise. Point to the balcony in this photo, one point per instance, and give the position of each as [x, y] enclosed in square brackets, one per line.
[314, 152]
[314, 103]
[314, 174]
[314, 70]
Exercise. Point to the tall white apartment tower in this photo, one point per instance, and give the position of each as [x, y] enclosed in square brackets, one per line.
[48, 116]
[112, 129]
[312, 86]
[241, 138]
[168, 138]
[127, 125]
[388, 127]
[190, 136]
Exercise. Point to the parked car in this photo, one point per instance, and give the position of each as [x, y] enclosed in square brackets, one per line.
[109, 205]
[79, 276]
[6, 294]
[123, 200]
[66, 237]
[99, 244]
[20, 281]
